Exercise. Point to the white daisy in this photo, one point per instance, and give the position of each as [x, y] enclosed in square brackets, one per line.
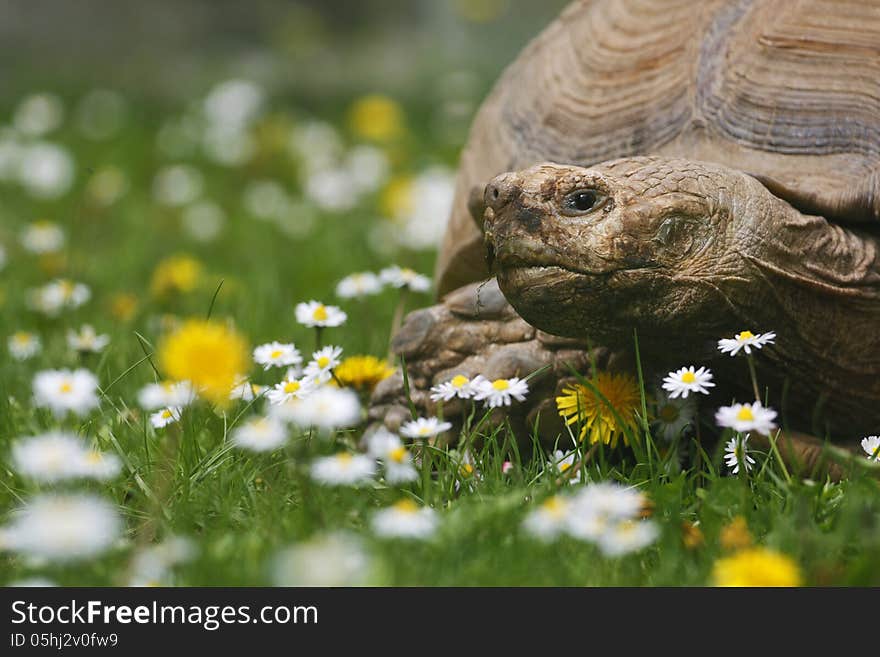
[405, 520]
[424, 427]
[60, 527]
[745, 340]
[627, 536]
[315, 313]
[276, 354]
[396, 459]
[161, 419]
[337, 559]
[151, 565]
[360, 284]
[260, 434]
[343, 469]
[871, 444]
[747, 417]
[562, 464]
[58, 295]
[549, 520]
[38, 114]
[24, 345]
[245, 390]
[46, 170]
[87, 340]
[736, 451]
[458, 386]
[43, 237]
[327, 408]
[673, 415]
[688, 380]
[49, 457]
[290, 388]
[99, 465]
[155, 396]
[320, 368]
[610, 500]
[178, 185]
[65, 391]
[399, 277]
[500, 391]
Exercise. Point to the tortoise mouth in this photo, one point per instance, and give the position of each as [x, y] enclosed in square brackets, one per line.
[533, 255]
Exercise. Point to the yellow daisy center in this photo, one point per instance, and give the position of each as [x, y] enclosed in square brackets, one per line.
[166, 414]
[688, 377]
[406, 506]
[320, 313]
[459, 380]
[323, 362]
[21, 339]
[466, 469]
[66, 387]
[291, 386]
[554, 506]
[745, 414]
[745, 335]
[397, 455]
[424, 431]
[564, 466]
[94, 457]
[500, 384]
[276, 354]
[344, 458]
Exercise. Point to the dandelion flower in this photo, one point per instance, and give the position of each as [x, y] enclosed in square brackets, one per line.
[177, 274]
[745, 340]
[757, 567]
[358, 285]
[376, 117]
[424, 427]
[599, 423]
[549, 520]
[747, 417]
[42, 237]
[260, 435]
[736, 452]
[405, 520]
[155, 396]
[871, 445]
[562, 464]
[208, 354]
[87, 340]
[400, 277]
[500, 391]
[320, 368]
[276, 354]
[24, 345]
[162, 418]
[458, 386]
[343, 469]
[674, 415]
[65, 391]
[687, 380]
[315, 313]
[66, 527]
[362, 372]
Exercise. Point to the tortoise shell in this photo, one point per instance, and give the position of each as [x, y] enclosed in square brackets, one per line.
[787, 91]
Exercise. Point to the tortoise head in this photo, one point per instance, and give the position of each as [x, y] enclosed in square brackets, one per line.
[598, 251]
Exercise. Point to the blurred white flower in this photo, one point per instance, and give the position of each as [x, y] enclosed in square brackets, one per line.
[227, 145]
[155, 396]
[360, 284]
[266, 199]
[234, 103]
[276, 354]
[62, 527]
[107, 185]
[627, 536]
[673, 415]
[151, 565]
[100, 114]
[87, 340]
[65, 391]
[562, 464]
[870, 445]
[58, 456]
[549, 519]
[432, 193]
[367, 168]
[327, 408]
[43, 237]
[337, 559]
[38, 114]
[46, 170]
[262, 434]
[736, 453]
[58, 295]
[162, 418]
[203, 221]
[343, 469]
[396, 276]
[405, 520]
[245, 390]
[317, 145]
[331, 190]
[396, 459]
[178, 184]
[24, 345]
[315, 313]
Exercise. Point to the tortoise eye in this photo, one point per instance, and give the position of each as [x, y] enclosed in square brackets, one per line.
[582, 201]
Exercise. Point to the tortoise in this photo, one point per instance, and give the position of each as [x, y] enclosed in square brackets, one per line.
[682, 171]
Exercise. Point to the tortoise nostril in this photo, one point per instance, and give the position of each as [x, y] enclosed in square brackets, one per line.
[501, 190]
[495, 192]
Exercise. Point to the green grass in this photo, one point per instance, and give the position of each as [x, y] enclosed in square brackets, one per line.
[241, 508]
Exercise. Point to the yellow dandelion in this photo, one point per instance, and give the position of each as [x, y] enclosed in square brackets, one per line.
[735, 535]
[599, 423]
[376, 117]
[757, 567]
[177, 274]
[123, 306]
[362, 372]
[208, 354]
[398, 199]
